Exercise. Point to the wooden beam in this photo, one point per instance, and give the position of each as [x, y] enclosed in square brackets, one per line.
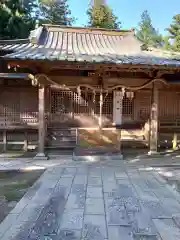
[153, 144]
[45, 65]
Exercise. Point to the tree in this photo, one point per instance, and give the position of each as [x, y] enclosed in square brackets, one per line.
[167, 44]
[174, 33]
[147, 33]
[101, 16]
[16, 19]
[55, 12]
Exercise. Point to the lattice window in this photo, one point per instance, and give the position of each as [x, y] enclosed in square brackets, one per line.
[85, 103]
[107, 104]
[61, 102]
[18, 106]
[29, 106]
[107, 108]
[127, 106]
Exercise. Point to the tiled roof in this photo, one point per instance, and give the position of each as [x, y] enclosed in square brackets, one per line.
[84, 44]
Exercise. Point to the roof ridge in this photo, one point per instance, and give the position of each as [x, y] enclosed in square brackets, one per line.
[87, 28]
[36, 34]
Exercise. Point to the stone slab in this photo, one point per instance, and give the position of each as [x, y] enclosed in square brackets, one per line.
[95, 172]
[155, 209]
[121, 175]
[72, 219]
[94, 181]
[117, 216]
[69, 172]
[68, 235]
[20, 206]
[112, 201]
[82, 170]
[161, 193]
[95, 206]
[7, 223]
[30, 213]
[78, 188]
[167, 229]
[175, 206]
[132, 204]
[120, 233]
[142, 223]
[94, 192]
[94, 227]
[48, 221]
[76, 201]
[18, 231]
[80, 179]
[109, 186]
[146, 237]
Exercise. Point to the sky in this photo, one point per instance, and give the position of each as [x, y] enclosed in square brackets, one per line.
[129, 12]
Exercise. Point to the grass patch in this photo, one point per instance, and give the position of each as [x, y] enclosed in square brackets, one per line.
[12, 196]
[14, 185]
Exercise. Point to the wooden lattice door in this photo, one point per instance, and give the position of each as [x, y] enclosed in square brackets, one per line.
[61, 104]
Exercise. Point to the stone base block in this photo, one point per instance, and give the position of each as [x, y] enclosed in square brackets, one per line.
[40, 156]
[150, 153]
[96, 158]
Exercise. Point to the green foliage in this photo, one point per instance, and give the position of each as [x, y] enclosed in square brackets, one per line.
[55, 12]
[167, 45]
[147, 33]
[101, 16]
[16, 20]
[174, 33]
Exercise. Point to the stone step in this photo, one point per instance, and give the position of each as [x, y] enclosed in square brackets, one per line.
[57, 147]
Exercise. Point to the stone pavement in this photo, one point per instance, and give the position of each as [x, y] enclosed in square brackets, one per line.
[94, 201]
[27, 164]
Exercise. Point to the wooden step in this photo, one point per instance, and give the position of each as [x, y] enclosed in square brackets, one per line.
[61, 138]
[60, 146]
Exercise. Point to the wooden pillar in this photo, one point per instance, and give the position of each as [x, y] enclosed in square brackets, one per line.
[26, 141]
[175, 143]
[154, 121]
[117, 115]
[100, 109]
[4, 141]
[42, 125]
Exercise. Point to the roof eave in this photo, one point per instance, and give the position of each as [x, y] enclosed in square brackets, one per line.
[93, 64]
[15, 41]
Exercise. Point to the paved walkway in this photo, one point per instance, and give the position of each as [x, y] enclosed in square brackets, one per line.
[93, 202]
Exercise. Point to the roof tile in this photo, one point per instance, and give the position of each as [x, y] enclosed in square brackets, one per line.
[85, 44]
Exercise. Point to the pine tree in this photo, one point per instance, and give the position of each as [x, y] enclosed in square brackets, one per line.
[174, 31]
[147, 33]
[55, 12]
[101, 16]
[16, 19]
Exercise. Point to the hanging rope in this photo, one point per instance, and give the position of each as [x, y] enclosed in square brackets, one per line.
[149, 82]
